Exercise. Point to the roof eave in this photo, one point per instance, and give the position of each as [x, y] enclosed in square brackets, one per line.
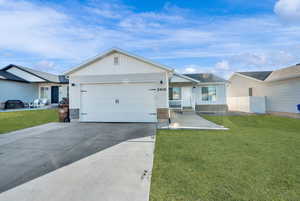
[187, 78]
[216, 83]
[245, 76]
[20, 68]
[282, 79]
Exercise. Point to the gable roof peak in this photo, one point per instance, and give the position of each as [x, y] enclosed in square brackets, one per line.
[115, 49]
[258, 75]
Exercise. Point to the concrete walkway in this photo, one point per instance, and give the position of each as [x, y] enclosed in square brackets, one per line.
[121, 172]
[190, 120]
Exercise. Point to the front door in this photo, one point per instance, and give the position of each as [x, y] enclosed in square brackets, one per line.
[54, 94]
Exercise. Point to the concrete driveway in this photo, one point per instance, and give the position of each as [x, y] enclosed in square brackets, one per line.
[33, 152]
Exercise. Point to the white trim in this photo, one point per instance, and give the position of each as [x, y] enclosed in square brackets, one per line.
[211, 83]
[281, 78]
[119, 82]
[100, 56]
[245, 76]
[186, 77]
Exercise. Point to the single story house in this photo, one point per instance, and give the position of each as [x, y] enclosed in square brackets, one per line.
[26, 84]
[202, 92]
[117, 86]
[278, 91]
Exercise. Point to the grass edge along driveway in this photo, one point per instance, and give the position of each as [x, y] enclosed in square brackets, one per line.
[258, 159]
[12, 121]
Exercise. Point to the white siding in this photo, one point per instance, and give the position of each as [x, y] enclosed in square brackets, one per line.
[239, 87]
[221, 95]
[281, 96]
[26, 76]
[127, 65]
[128, 70]
[10, 90]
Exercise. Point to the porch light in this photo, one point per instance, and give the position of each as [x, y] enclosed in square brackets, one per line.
[161, 82]
[73, 84]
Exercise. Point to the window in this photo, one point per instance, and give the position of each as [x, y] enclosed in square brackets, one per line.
[175, 93]
[116, 60]
[44, 92]
[209, 93]
[250, 91]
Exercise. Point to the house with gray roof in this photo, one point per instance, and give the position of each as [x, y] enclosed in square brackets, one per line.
[278, 90]
[118, 86]
[26, 84]
[203, 92]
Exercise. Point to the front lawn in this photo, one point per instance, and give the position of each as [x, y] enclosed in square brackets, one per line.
[11, 121]
[258, 159]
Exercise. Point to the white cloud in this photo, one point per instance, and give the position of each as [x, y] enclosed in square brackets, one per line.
[223, 65]
[172, 34]
[288, 9]
[110, 10]
[34, 29]
[46, 66]
[190, 70]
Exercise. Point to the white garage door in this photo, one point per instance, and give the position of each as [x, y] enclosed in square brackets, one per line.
[118, 103]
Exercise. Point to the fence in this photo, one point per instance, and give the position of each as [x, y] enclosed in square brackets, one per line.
[249, 104]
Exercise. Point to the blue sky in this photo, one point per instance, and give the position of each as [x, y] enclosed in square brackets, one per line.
[221, 36]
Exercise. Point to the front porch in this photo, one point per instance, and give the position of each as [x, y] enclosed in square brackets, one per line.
[181, 93]
[53, 92]
[187, 94]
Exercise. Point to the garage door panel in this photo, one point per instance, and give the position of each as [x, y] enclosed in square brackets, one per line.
[118, 103]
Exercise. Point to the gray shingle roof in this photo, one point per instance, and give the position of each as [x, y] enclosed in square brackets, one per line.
[206, 77]
[45, 76]
[284, 73]
[8, 76]
[259, 75]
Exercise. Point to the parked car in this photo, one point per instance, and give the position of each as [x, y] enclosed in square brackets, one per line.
[14, 104]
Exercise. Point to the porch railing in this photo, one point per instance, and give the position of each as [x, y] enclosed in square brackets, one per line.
[175, 104]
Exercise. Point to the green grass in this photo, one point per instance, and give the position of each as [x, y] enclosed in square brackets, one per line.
[258, 159]
[11, 121]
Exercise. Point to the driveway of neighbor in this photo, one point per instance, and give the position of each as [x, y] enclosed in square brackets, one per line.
[117, 170]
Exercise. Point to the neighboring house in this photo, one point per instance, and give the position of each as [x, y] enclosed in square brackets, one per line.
[118, 86]
[278, 90]
[25, 84]
[202, 92]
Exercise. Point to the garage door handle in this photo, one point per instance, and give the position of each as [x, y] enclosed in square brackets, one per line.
[152, 113]
[152, 89]
[83, 91]
[83, 113]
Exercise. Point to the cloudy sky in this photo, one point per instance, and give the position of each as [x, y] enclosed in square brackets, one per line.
[219, 36]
